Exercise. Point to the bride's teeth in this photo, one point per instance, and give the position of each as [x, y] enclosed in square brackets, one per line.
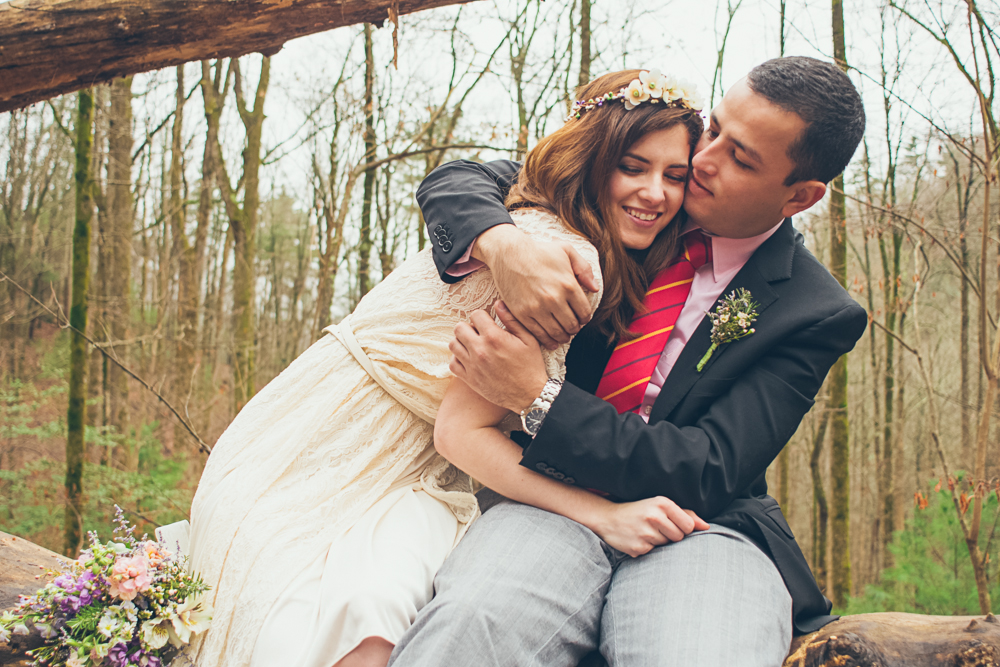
[642, 216]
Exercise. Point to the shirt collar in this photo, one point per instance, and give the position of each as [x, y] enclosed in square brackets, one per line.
[729, 254]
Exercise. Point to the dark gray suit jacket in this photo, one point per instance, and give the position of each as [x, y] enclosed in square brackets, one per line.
[711, 435]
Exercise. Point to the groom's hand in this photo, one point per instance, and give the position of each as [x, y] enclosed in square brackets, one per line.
[543, 283]
[504, 367]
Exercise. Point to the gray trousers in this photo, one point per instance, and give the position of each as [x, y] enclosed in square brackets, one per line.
[527, 587]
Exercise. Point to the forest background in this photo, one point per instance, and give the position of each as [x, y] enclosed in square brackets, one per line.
[217, 216]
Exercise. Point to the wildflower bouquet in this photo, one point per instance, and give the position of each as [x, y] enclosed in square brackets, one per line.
[124, 603]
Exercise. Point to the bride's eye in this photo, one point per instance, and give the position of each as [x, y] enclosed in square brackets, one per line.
[628, 169]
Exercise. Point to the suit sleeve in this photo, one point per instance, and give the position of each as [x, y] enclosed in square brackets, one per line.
[460, 200]
[703, 466]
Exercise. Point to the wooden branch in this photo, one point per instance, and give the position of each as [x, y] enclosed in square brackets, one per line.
[52, 47]
[893, 639]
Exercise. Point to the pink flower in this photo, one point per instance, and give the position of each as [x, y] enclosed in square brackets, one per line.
[129, 577]
[154, 553]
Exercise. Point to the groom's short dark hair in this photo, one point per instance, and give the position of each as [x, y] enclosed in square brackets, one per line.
[823, 96]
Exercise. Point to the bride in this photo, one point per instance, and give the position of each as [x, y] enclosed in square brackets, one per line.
[325, 510]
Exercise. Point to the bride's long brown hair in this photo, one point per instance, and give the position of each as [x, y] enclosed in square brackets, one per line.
[568, 173]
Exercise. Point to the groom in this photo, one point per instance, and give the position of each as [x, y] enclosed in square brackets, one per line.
[526, 587]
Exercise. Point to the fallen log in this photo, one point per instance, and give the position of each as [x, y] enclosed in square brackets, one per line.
[52, 47]
[23, 568]
[865, 640]
[900, 640]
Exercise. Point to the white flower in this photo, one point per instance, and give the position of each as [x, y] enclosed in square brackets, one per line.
[45, 630]
[21, 629]
[107, 625]
[652, 82]
[155, 633]
[74, 660]
[193, 616]
[670, 92]
[4, 634]
[635, 94]
[130, 611]
[689, 92]
[724, 317]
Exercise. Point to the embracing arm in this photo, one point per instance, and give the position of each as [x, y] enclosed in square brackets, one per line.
[460, 200]
[543, 283]
[464, 433]
[705, 465]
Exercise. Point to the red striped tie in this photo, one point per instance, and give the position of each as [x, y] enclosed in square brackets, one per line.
[632, 362]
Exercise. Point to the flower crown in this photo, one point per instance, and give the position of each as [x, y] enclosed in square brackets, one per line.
[652, 87]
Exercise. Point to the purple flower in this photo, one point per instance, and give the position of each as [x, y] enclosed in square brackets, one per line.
[118, 655]
[64, 582]
[69, 604]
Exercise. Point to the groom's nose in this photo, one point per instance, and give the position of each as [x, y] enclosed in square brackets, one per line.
[705, 158]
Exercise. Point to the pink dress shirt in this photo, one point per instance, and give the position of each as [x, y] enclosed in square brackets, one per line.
[728, 257]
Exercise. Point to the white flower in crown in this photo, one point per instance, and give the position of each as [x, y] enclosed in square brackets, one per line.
[689, 93]
[653, 82]
[671, 91]
[635, 94]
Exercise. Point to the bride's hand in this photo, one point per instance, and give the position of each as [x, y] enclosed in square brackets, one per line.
[636, 527]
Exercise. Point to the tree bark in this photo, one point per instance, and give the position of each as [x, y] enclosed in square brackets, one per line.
[821, 515]
[120, 221]
[584, 78]
[186, 326]
[840, 524]
[893, 639]
[243, 223]
[365, 243]
[76, 410]
[52, 47]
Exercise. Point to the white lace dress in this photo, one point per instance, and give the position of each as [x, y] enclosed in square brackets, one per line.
[324, 510]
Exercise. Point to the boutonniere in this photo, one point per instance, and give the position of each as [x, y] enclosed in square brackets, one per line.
[731, 321]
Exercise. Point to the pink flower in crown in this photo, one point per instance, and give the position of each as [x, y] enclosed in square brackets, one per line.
[129, 577]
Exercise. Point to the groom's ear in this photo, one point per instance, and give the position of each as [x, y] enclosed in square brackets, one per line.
[803, 195]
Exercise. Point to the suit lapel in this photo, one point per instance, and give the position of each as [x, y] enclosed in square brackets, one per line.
[771, 262]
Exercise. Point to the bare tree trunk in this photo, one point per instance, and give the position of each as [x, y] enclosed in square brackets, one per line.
[821, 511]
[186, 325]
[76, 411]
[365, 244]
[840, 525]
[584, 43]
[121, 219]
[243, 221]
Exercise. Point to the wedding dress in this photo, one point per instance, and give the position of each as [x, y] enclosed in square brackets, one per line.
[324, 510]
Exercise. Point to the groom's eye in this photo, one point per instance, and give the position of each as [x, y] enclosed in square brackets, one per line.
[740, 163]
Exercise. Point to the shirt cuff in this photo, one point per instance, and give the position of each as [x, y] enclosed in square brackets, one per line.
[465, 264]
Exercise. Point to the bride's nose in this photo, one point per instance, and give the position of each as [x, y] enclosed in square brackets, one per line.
[651, 191]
